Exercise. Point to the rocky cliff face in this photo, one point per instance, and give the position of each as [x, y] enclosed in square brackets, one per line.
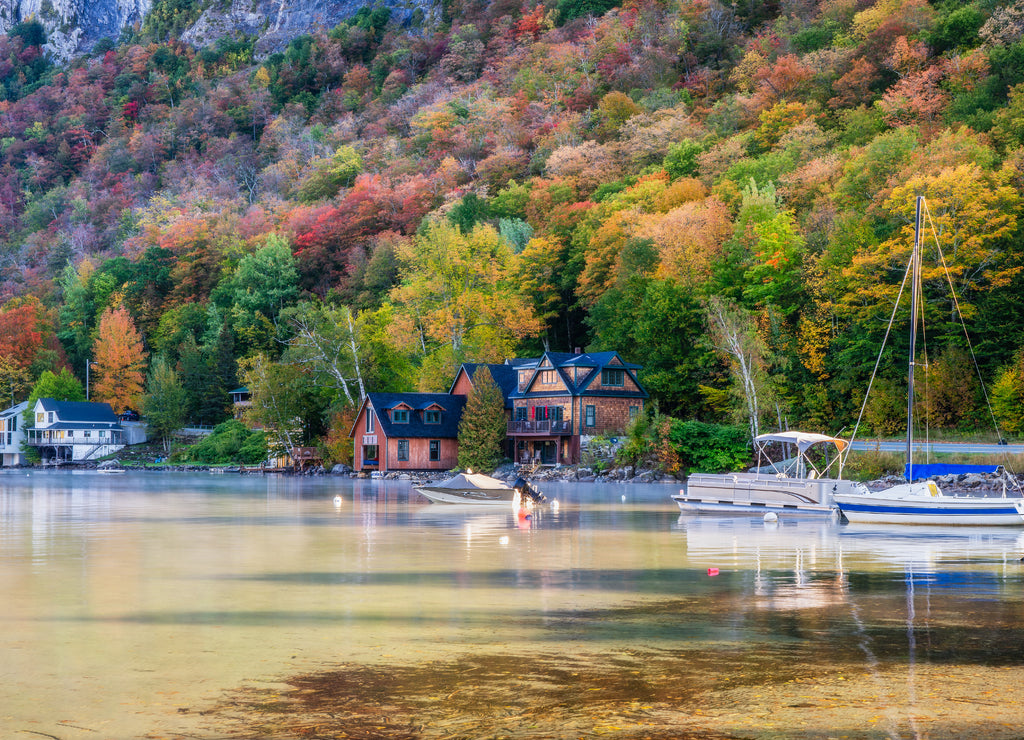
[276, 22]
[74, 26]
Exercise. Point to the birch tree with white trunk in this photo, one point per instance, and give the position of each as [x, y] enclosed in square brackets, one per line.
[735, 338]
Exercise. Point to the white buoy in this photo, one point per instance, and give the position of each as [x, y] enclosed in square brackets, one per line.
[623, 498]
[337, 500]
[771, 516]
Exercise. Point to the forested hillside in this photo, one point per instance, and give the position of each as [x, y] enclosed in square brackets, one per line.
[383, 201]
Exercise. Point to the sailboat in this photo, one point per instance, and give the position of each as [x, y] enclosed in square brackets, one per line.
[923, 502]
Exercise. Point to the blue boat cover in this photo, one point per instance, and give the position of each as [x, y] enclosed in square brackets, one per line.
[933, 469]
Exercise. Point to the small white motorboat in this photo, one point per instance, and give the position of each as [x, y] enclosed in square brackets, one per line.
[476, 488]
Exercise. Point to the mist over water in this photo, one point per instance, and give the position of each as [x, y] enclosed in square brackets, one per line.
[198, 605]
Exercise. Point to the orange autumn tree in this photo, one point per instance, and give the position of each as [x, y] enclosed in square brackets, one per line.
[120, 361]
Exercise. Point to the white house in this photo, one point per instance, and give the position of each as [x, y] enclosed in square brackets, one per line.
[74, 431]
[12, 434]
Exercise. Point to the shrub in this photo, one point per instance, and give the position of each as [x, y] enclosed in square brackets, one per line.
[708, 448]
[229, 443]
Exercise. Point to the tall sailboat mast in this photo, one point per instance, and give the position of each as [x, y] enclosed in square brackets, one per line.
[915, 261]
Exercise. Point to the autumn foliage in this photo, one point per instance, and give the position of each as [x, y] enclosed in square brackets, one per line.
[513, 178]
[120, 361]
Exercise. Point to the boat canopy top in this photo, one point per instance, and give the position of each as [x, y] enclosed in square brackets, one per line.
[471, 480]
[802, 440]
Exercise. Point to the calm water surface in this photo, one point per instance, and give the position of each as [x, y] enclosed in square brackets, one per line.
[217, 606]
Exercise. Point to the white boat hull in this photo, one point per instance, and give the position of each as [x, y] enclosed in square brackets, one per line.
[693, 505]
[753, 493]
[923, 503]
[467, 496]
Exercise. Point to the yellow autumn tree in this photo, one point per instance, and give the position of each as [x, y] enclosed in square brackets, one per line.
[971, 214]
[120, 361]
[457, 299]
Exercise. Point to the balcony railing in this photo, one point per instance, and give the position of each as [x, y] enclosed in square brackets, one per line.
[545, 426]
[48, 438]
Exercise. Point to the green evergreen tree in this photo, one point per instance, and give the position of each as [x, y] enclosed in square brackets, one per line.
[164, 403]
[482, 427]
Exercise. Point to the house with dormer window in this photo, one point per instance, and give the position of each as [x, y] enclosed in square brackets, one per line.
[560, 399]
[407, 431]
[74, 431]
[553, 403]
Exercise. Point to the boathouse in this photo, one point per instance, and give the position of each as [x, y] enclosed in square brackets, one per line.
[407, 431]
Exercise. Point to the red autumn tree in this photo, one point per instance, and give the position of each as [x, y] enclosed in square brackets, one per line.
[20, 338]
[120, 361]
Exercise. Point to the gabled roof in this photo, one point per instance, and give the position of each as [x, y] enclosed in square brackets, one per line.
[584, 359]
[80, 411]
[419, 402]
[562, 362]
[505, 377]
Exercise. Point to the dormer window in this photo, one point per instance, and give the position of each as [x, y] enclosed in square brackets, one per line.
[432, 416]
[547, 377]
[400, 416]
[613, 377]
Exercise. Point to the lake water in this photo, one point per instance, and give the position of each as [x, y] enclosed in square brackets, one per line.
[218, 606]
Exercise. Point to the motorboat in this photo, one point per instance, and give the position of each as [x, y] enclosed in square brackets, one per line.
[800, 485]
[476, 488]
[923, 502]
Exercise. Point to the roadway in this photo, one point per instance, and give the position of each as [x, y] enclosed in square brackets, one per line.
[977, 448]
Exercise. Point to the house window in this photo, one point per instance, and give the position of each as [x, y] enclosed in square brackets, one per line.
[591, 417]
[403, 450]
[87, 434]
[613, 377]
[12, 423]
[103, 433]
[435, 450]
[400, 416]
[40, 417]
[369, 420]
[432, 417]
[49, 416]
[547, 377]
[521, 413]
[634, 411]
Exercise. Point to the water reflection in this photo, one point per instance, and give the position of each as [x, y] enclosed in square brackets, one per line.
[133, 603]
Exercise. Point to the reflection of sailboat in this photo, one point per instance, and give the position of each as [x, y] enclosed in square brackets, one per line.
[923, 502]
[750, 543]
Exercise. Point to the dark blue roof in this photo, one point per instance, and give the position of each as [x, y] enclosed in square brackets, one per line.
[66, 425]
[81, 411]
[505, 377]
[585, 359]
[451, 413]
[562, 361]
